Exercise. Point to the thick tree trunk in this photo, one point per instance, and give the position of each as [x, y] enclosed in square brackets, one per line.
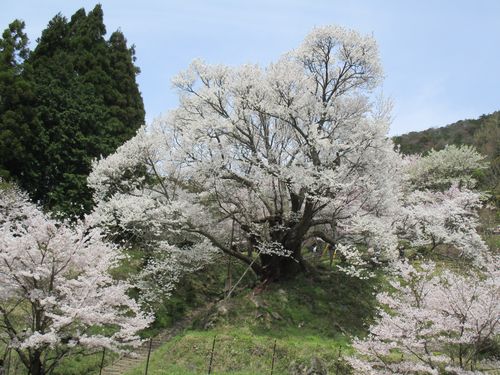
[275, 267]
[36, 366]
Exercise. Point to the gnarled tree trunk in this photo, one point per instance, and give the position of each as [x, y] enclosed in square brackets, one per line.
[36, 365]
[275, 267]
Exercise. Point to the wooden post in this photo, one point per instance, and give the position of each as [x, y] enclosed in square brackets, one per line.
[229, 276]
[211, 356]
[149, 355]
[229, 279]
[274, 353]
[102, 360]
[338, 361]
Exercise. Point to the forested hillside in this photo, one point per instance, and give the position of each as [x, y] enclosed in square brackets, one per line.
[482, 133]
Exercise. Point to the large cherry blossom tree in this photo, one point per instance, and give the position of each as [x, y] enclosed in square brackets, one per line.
[56, 294]
[259, 160]
[295, 150]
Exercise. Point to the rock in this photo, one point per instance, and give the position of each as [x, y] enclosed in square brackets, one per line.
[282, 296]
[297, 368]
[317, 367]
[222, 310]
[209, 325]
[276, 316]
[257, 301]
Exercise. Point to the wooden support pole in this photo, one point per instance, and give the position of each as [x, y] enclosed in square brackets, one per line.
[274, 355]
[337, 366]
[102, 360]
[149, 355]
[9, 361]
[211, 356]
[229, 276]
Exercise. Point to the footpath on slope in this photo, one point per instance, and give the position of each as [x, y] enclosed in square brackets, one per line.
[129, 361]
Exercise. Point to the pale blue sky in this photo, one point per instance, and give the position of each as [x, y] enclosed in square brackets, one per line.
[441, 57]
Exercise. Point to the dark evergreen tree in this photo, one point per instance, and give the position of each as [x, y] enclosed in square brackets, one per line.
[20, 131]
[86, 101]
[124, 99]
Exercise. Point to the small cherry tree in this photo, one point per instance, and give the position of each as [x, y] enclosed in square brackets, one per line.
[439, 205]
[434, 323]
[429, 219]
[57, 296]
[453, 165]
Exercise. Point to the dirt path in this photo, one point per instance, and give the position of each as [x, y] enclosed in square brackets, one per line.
[129, 361]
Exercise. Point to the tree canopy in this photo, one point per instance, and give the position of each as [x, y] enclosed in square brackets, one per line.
[439, 323]
[290, 152]
[287, 152]
[20, 130]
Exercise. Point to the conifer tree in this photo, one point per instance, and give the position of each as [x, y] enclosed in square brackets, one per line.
[86, 102]
[20, 132]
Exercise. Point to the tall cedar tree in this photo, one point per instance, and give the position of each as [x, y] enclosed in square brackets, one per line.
[20, 130]
[87, 102]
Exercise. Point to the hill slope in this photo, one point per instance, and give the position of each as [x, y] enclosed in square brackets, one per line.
[310, 320]
[483, 133]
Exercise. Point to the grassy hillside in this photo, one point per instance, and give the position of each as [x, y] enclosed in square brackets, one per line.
[309, 318]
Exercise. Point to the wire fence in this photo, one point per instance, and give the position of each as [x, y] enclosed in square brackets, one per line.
[272, 361]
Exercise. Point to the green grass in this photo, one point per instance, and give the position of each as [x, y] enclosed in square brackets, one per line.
[83, 364]
[310, 320]
[239, 351]
[76, 364]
